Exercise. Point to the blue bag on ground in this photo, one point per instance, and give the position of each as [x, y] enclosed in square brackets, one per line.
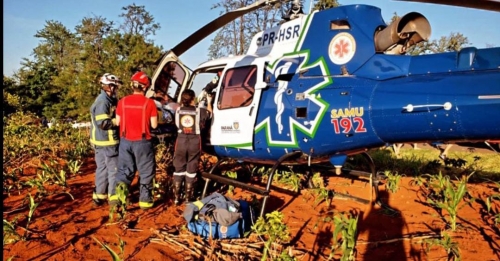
[219, 217]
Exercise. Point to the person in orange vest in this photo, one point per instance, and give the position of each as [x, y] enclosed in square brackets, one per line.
[137, 115]
[190, 121]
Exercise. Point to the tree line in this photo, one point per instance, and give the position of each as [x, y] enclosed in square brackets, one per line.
[61, 80]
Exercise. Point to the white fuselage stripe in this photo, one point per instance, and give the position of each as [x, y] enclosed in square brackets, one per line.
[484, 97]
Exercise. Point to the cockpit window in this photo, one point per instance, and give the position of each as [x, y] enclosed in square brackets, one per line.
[238, 87]
[170, 79]
[340, 25]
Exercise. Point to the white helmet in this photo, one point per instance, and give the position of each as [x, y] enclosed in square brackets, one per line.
[109, 78]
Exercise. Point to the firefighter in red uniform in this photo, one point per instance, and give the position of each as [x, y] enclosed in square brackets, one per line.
[137, 115]
[190, 121]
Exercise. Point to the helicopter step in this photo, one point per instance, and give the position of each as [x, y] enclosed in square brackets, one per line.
[209, 176]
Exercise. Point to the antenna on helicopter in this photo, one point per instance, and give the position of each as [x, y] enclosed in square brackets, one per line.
[294, 12]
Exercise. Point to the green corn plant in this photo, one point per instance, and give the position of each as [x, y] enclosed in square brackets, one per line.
[489, 200]
[10, 234]
[317, 180]
[436, 185]
[452, 195]
[322, 194]
[232, 175]
[74, 166]
[274, 228]
[36, 183]
[113, 254]
[121, 245]
[291, 179]
[61, 178]
[392, 181]
[347, 227]
[452, 249]
[121, 208]
[32, 205]
[418, 181]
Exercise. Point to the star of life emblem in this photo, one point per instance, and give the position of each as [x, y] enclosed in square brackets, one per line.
[342, 48]
[187, 121]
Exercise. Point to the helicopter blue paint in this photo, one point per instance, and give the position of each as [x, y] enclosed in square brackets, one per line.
[344, 95]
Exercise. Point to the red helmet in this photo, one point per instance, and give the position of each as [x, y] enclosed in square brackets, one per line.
[140, 78]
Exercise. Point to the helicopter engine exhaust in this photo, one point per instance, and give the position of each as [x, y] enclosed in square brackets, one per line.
[402, 33]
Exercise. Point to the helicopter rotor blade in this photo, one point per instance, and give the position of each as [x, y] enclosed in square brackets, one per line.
[218, 23]
[491, 5]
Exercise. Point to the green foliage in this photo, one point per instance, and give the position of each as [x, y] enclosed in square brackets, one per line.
[121, 208]
[9, 232]
[273, 229]
[61, 80]
[392, 181]
[113, 254]
[32, 207]
[449, 196]
[345, 234]
[490, 209]
[325, 4]
[232, 175]
[452, 249]
[235, 37]
[286, 178]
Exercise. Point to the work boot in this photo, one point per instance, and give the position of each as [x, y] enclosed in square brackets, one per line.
[188, 192]
[177, 192]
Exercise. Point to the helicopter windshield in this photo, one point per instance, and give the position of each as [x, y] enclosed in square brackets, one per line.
[170, 79]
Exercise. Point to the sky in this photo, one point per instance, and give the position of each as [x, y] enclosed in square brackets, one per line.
[179, 18]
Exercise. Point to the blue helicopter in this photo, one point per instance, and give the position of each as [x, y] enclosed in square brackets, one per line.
[324, 86]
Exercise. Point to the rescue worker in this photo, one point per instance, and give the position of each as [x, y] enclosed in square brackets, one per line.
[208, 90]
[190, 122]
[137, 115]
[104, 138]
[166, 110]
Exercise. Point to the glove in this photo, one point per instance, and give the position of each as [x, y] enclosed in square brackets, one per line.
[209, 98]
[113, 121]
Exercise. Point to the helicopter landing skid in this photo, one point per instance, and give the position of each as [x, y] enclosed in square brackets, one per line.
[208, 176]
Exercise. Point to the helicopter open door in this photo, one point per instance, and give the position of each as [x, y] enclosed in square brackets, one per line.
[170, 76]
[236, 104]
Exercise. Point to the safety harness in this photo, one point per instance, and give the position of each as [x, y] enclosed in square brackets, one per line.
[135, 107]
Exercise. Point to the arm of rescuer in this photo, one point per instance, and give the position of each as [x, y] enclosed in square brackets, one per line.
[103, 116]
[151, 110]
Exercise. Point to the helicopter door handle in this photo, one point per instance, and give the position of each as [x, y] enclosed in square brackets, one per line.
[410, 107]
[251, 110]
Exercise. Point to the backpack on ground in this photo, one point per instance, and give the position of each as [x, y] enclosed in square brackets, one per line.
[219, 217]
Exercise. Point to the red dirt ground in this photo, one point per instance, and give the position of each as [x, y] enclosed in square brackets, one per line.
[63, 228]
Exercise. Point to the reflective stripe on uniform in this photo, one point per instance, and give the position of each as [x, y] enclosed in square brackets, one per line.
[104, 143]
[101, 117]
[179, 173]
[199, 204]
[99, 196]
[145, 204]
[113, 197]
[190, 175]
